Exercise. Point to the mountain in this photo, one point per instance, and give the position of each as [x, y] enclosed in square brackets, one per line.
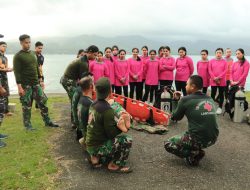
[70, 45]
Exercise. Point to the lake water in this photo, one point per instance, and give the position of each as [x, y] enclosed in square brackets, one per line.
[55, 65]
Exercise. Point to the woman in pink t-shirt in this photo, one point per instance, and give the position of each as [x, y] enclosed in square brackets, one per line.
[98, 67]
[152, 69]
[202, 70]
[110, 64]
[240, 69]
[184, 69]
[167, 67]
[135, 74]
[121, 73]
[217, 72]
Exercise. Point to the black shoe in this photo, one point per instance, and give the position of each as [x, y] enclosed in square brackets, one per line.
[195, 160]
[2, 144]
[51, 124]
[2, 136]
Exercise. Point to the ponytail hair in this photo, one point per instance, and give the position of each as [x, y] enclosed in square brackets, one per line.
[242, 61]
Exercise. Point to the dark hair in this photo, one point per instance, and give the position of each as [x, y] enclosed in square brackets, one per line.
[92, 49]
[86, 82]
[115, 46]
[197, 81]
[219, 49]
[204, 50]
[23, 37]
[160, 48]
[168, 48]
[183, 49]
[111, 59]
[152, 50]
[121, 51]
[146, 47]
[80, 51]
[106, 48]
[138, 58]
[100, 52]
[242, 61]
[1, 43]
[38, 44]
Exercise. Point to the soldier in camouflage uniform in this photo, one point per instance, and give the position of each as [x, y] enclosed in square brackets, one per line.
[27, 78]
[3, 70]
[2, 110]
[202, 125]
[104, 141]
[74, 72]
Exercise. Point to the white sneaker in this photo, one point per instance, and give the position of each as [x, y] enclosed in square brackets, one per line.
[219, 111]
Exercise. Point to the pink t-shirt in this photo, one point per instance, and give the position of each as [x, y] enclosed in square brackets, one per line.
[240, 72]
[184, 68]
[135, 68]
[144, 60]
[110, 65]
[152, 68]
[217, 68]
[121, 71]
[202, 70]
[98, 70]
[167, 67]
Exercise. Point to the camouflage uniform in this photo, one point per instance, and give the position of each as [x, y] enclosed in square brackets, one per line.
[75, 99]
[184, 146]
[27, 74]
[2, 104]
[5, 84]
[72, 75]
[115, 150]
[202, 127]
[36, 93]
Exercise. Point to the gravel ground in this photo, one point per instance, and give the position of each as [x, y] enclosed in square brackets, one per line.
[225, 166]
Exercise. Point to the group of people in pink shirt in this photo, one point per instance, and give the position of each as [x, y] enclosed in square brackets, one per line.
[144, 73]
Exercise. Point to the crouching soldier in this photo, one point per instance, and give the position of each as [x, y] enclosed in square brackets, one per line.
[202, 125]
[104, 141]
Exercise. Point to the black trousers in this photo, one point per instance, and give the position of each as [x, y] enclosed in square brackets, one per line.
[181, 86]
[113, 88]
[152, 89]
[204, 90]
[118, 90]
[166, 83]
[138, 87]
[221, 94]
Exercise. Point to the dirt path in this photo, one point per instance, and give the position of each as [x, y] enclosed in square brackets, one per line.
[225, 166]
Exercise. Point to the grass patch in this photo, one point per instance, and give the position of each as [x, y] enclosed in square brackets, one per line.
[248, 96]
[26, 162]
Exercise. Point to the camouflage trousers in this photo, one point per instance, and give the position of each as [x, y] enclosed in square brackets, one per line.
[115, 150]
[2, 109]
[75, 99]
[70, 86]
[184, 146]
[34, 93]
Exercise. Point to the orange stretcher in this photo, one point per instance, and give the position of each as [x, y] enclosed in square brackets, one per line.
[141, 111]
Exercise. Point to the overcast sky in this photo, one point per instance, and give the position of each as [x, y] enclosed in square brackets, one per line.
[169, 19]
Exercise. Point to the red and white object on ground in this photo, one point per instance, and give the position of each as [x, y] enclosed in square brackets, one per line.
[140, 111]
